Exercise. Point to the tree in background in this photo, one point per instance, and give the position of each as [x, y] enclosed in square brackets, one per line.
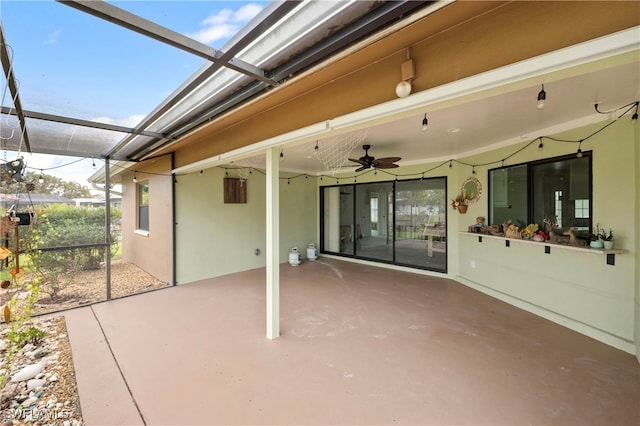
[57, 186]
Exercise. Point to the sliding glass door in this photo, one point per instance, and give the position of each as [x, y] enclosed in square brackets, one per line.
[400, 222]
[421, 231]
[373, 219]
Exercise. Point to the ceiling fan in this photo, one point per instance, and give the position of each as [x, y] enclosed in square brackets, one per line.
[367, 161]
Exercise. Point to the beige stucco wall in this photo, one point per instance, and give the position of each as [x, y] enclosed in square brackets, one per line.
[152, 252]
[214, 238]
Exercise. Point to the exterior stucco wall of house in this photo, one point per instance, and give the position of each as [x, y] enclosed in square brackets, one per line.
[153, 251]
[214, 238]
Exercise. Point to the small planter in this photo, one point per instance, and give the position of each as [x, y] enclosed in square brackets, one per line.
[462, 208]
[597, 244]
[608, 245]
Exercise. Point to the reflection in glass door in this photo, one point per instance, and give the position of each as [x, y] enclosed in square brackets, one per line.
[401, 222]
[374, 244]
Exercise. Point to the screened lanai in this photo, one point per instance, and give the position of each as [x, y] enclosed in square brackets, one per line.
[422, 82]
[215, 156]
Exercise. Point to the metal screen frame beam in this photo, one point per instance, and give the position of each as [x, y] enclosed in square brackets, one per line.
[121, 17]
[13, 87]
[80, 122]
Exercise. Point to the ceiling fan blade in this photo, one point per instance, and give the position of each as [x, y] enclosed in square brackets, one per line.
[361, 162]
[385, 162]
[388, 159]
[386, 166]
[361, 168]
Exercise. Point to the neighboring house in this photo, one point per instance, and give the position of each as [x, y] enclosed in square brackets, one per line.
[177, 226]
[115, 201]
[25, 200]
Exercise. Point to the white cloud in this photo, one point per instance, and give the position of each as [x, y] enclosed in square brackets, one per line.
[52, 37]
[225, 23]
[246, 13]
[130, 121]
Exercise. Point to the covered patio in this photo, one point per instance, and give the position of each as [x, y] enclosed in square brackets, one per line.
[360, 344]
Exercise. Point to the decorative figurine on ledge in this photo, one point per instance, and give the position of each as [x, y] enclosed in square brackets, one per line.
[480, 228]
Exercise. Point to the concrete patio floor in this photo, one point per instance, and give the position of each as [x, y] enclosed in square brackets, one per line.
[359, 345]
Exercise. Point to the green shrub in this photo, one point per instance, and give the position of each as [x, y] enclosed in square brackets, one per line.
[31, 335]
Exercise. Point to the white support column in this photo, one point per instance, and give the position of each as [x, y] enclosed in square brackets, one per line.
[273, 243]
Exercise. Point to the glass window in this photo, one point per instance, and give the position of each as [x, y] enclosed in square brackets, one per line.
[508, 198]
[143, 206]
[555, 189]
[582, 209]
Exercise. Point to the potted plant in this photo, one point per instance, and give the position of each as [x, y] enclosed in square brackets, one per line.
[601, 239]
[459, 203]
[606, 238]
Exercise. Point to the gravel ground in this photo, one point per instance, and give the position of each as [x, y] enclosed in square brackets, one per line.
[90, 286]
[57, 401]
[86, 287]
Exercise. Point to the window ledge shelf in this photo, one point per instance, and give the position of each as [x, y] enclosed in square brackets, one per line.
[610, 254]
[141, 232]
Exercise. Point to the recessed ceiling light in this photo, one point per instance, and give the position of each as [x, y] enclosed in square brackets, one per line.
[455, 130]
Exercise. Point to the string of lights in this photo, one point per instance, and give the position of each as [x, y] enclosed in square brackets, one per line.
[613, 114]
[421, 174]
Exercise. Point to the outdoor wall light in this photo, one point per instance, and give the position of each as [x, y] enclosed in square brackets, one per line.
[407, 71]
[542, 96]
[403, 89]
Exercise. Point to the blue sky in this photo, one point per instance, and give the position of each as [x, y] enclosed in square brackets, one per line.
[73, 64]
